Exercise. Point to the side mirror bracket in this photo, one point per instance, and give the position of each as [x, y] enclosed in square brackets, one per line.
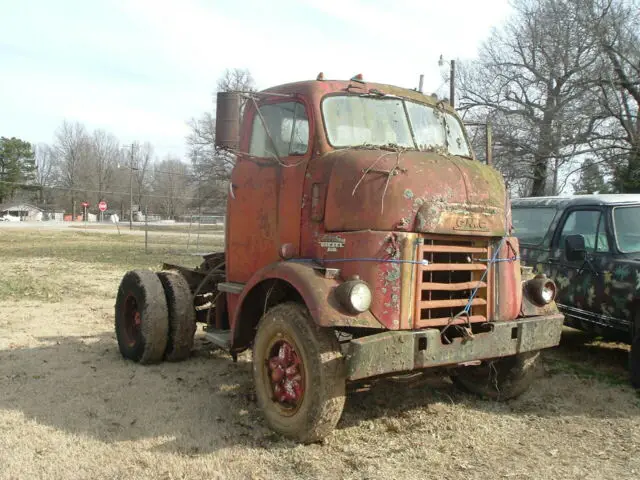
[576, 251]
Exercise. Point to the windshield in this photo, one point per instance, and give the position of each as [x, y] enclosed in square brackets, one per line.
[353, 121]
[626, 222]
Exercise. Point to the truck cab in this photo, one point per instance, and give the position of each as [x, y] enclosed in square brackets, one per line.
[363, 238]
[589, 245]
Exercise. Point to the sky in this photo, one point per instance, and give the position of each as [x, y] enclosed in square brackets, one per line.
[141, 69]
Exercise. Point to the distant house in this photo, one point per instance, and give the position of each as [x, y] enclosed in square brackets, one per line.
[26, 212]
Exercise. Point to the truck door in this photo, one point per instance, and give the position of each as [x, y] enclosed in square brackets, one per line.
[263, 206]
[581, 284]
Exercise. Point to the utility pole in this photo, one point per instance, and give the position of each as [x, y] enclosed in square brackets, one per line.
[452, 84]
[131, 169]
[131, 188]
[452, 79]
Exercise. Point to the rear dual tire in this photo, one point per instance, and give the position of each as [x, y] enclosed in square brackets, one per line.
[154, 317]
[141, 317]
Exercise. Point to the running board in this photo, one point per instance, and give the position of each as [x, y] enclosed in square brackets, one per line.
[220, 338]
[230, 287]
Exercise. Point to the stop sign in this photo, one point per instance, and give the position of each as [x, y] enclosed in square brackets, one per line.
[102, 206]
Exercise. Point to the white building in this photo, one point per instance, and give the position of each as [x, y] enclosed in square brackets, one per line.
[26, 212]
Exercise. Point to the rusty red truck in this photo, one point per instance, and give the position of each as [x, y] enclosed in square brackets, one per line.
[362, 238]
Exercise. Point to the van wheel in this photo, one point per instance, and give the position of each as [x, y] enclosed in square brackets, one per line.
[142, 322]
[182, 315]
[299, 374]
[500, 379]
[634, 355]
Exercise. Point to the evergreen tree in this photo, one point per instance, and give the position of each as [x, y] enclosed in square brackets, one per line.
[591, 179]
[17, 166]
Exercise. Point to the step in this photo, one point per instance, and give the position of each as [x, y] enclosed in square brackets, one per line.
[220, 338]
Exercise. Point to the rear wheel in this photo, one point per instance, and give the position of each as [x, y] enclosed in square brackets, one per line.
[500, 379]
[634, 355]
[299, 374]
[182, 316]
[141, 319]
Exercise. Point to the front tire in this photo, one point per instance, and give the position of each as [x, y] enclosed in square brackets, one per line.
[299, 374]
[500, 379]
[141, 318]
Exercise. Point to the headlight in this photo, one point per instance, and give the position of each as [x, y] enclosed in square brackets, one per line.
[354, 295]
[542, 290]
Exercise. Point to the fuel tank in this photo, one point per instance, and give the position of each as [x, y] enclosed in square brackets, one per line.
[426, 192]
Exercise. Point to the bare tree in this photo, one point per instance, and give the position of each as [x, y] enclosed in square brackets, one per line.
[212, 169]
[529, 81]
[140, 161]
[105, 152]
[72, 149]
[615, 25]
[171, 179]
[236, 79]
[47, 171]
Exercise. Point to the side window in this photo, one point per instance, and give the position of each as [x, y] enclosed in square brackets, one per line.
[288, 125]
[589, 224]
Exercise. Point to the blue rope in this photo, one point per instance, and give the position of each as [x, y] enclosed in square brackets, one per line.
[342, 260]
[467, 308]
[498, 260]
[490, 262]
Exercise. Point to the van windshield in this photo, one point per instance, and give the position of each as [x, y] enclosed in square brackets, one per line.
[361, 121]
[626, 223]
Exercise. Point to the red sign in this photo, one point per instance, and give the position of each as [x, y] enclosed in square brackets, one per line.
[102, 206]
[84, 204]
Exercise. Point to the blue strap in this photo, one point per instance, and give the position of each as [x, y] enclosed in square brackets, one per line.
[342, 260]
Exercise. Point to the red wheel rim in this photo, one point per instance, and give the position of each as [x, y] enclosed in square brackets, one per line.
[285, 375]
[132, 320]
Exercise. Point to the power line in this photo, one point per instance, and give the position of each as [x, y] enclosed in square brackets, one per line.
[85, 190]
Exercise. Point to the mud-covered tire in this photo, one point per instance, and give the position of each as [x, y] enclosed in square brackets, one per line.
[634, 354]
[321, 366]
[141, 318]
[500, 379]
[182, 316]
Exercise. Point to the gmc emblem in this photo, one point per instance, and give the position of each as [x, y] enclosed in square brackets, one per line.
[471, 223]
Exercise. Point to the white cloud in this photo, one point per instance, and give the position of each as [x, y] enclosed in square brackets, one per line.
[141, 68]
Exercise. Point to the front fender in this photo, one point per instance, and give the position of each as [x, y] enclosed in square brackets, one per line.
[316, 291]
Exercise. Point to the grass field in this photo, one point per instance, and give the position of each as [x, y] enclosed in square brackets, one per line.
[71, 407]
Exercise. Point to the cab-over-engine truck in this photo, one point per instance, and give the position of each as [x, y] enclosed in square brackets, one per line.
[362, 239]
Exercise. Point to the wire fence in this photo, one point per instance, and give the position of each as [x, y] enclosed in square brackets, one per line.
[188, 235]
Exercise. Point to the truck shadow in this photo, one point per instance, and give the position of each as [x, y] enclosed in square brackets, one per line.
[82, 385]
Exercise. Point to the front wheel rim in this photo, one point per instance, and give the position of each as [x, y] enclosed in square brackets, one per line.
[284, 375]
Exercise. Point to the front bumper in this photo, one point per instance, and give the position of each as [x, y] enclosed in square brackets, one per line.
[403, 351]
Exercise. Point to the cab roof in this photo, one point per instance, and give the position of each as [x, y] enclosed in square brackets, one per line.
[577, 200]
[323, 87]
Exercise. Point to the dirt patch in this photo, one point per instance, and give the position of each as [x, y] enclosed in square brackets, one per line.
[71, 407]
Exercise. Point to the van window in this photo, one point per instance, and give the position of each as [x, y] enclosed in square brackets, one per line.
[530, 225]
[588, 224]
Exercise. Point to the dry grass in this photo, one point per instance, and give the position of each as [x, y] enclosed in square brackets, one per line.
[71, 407]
